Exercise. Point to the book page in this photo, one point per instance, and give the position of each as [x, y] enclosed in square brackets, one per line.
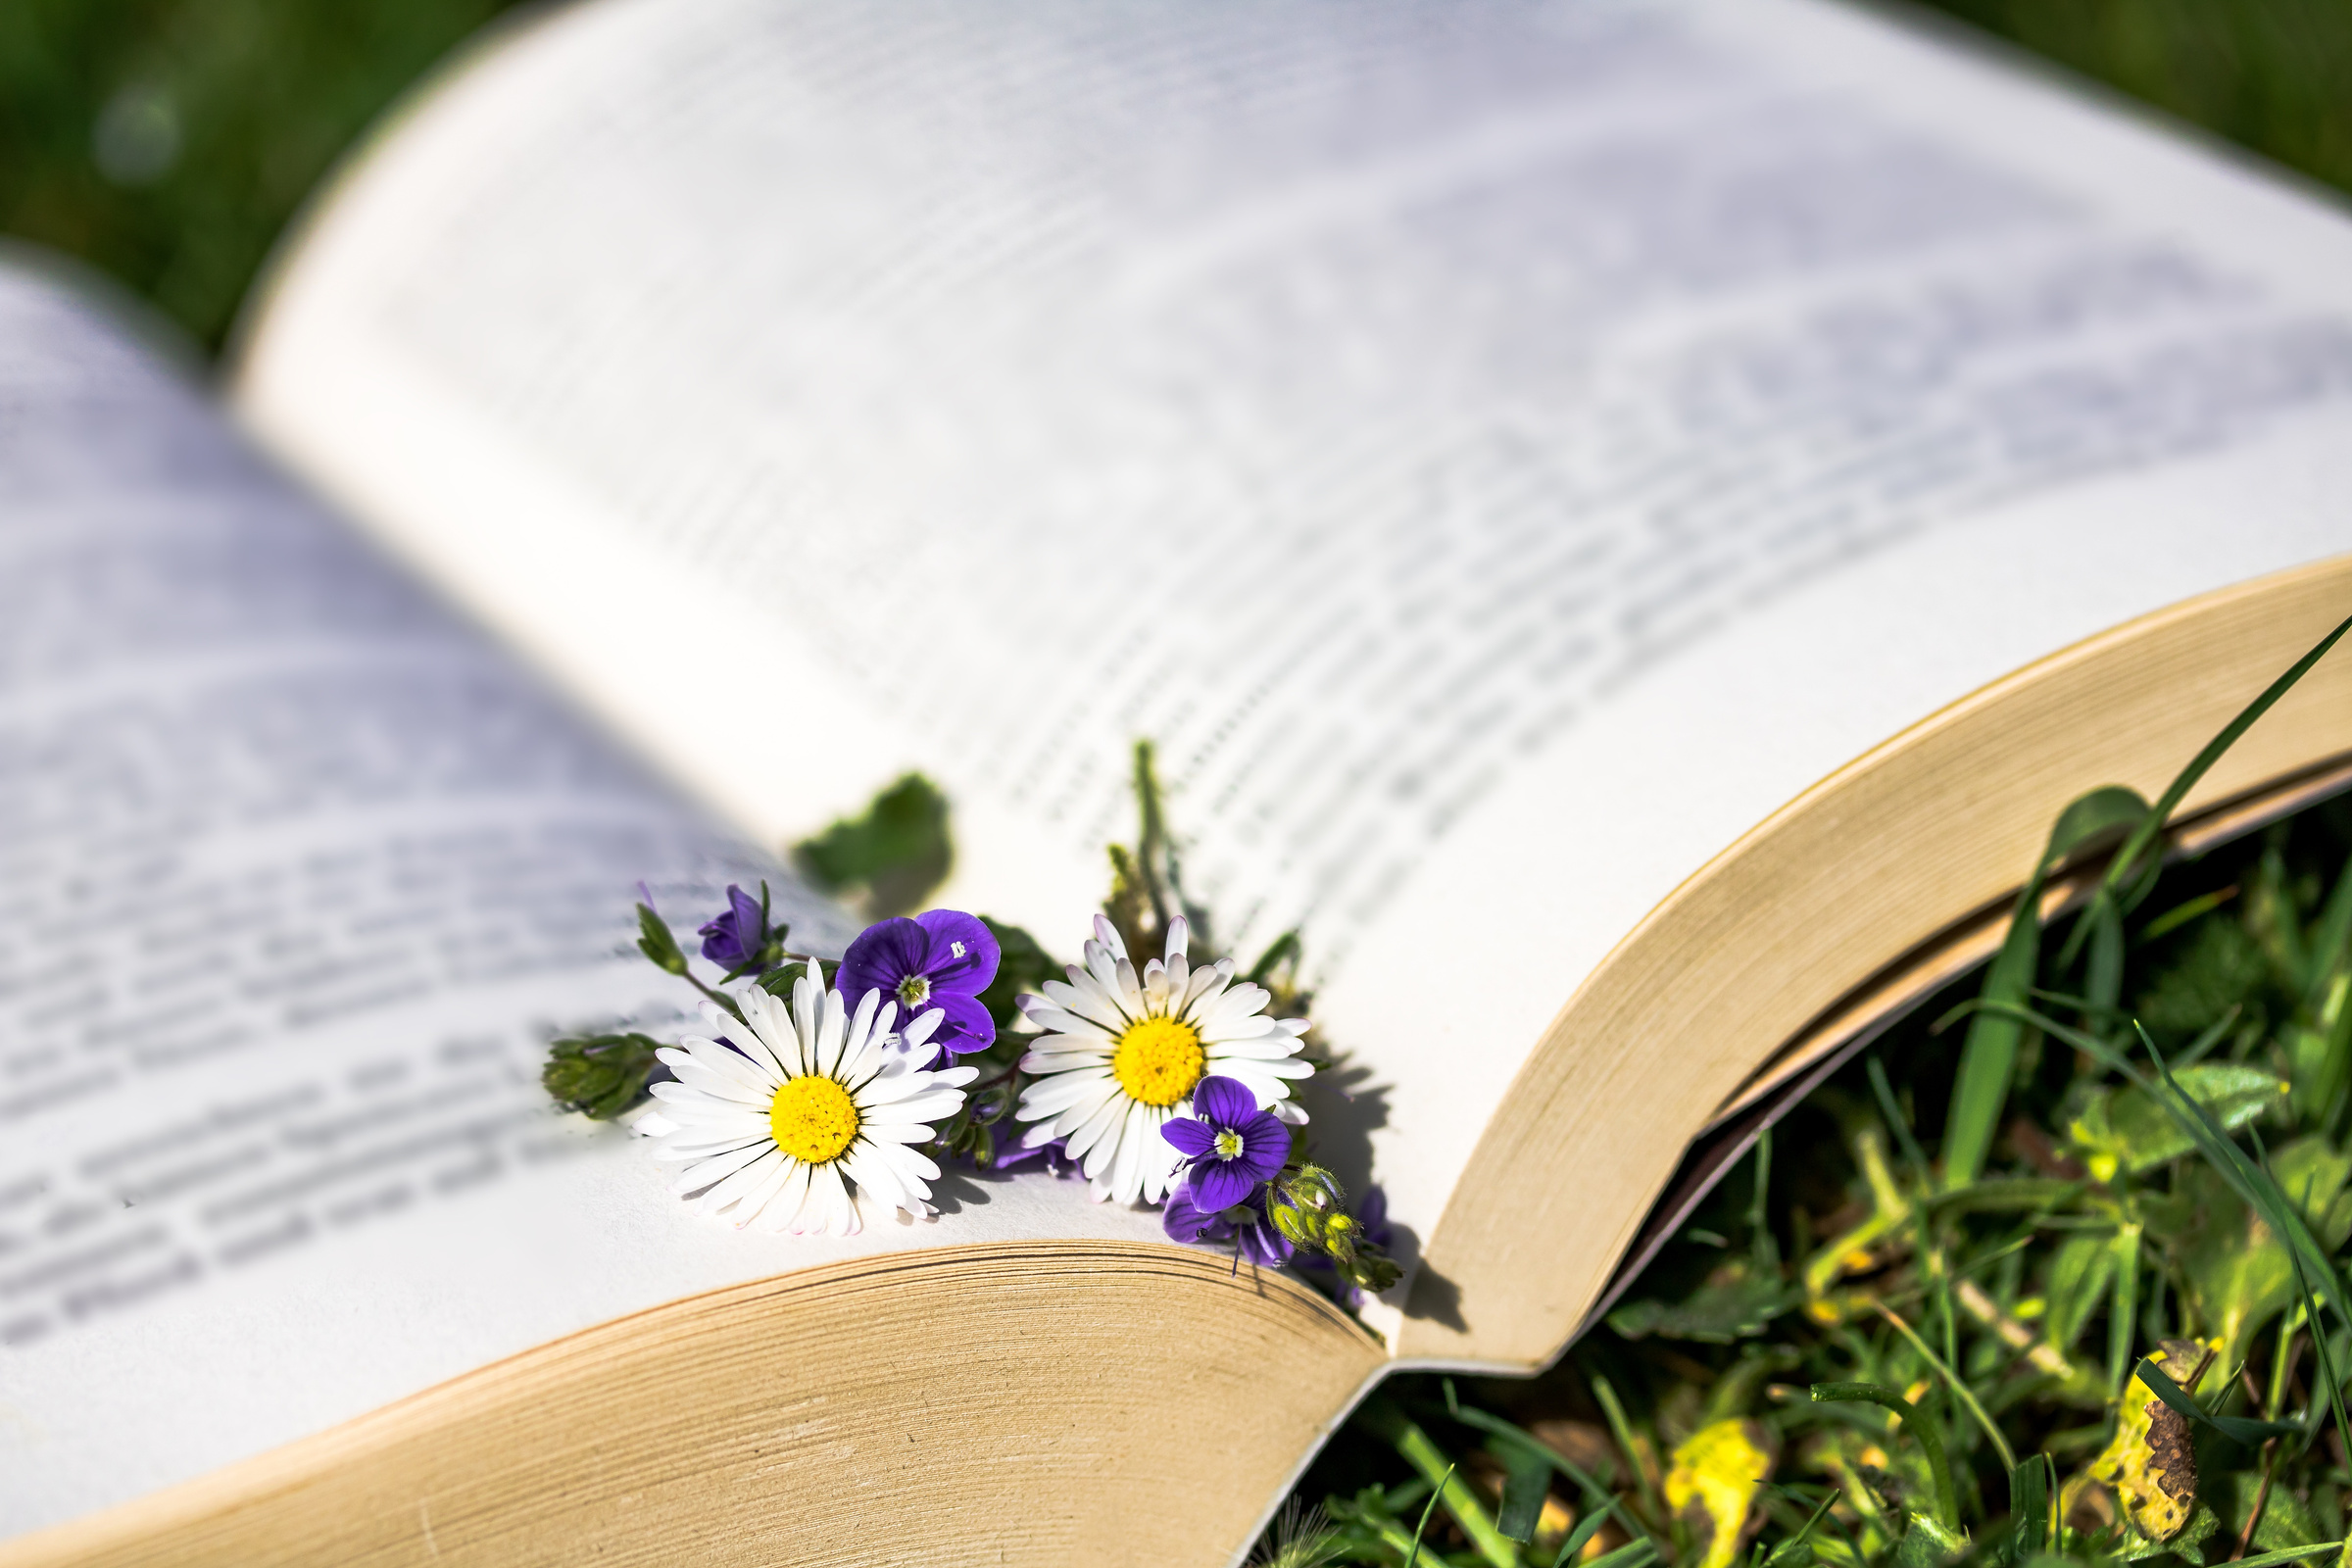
[297, 877]
[1499, 453]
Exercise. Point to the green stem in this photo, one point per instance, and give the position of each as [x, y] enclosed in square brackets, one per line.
[1922, 1430]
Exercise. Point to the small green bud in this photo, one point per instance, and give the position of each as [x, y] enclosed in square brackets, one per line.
[656, 944]
[1299, 1225]
[600, 1076]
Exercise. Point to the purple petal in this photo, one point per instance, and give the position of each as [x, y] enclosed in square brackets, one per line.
[1183, 1219]
[972, 970]
[1264, 1245]
[1223, 1102]
[748, 919]
[1194, 1137]
[1373, 1214]
[1220, 1184]
[966, 1027]
[1265, 1146]
[884, 954]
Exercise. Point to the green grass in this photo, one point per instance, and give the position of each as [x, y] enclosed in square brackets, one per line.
[169, 141]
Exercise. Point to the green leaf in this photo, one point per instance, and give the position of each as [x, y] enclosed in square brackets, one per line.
[2217, 969]
[1738, 1299]
[1928, 1543]
[2236, 1270]
[892, 858]
[2127, 1131]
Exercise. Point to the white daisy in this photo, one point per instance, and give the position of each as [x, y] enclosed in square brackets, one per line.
[813, 1101]
[1122, 1052]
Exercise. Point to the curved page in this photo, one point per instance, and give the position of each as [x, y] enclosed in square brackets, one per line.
[1499, 453]
[299, 875]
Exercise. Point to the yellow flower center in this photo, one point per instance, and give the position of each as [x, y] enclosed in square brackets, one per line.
[1158, 1060]
[813, 1119]
[914, 990]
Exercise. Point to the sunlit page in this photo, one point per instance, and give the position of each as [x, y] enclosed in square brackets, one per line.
[1497, 453]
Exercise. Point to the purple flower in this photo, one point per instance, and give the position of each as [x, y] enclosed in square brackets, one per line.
[1261, 1243]
[737, 938]
[1013, 1153]
[942, 960]
[1232, 1146]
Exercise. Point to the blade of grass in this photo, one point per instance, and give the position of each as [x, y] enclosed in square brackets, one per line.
[1951, 1380]
[2237, 1429]
[1921, 1430]
[1989, 1055]
[1525, 1486]
[1623, 1430]
[1413, 1556]
[1586, 1529]
[1633, 1554]
[2031, 1486]
[2271, 1559]
[2142, 837]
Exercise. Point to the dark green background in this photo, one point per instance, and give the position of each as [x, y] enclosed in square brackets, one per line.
[168, 140]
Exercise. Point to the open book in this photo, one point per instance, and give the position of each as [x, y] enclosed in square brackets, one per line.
[1624, 522]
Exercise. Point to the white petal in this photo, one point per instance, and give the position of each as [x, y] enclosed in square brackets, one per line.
[1063, 1090]
[1180, 938]
[914, 1165]
[1269, 1047]
[923, 1026]
[771, 1182]
[1087, 1002]
[936, 1106]
[704, 1173]
[1127, 1170]
[1087, 1129]
[703, 1144]
[694, 1075]
[897, 1132]
[830, 1202]
[1096, 1139]
[783, 1211]
[1047, 1063]
[1109, 935]
[875, 1178]
[740, 1185]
